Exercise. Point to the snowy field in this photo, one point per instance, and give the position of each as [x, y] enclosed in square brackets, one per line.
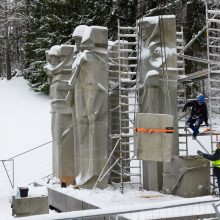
[25, 117]
[25, 124]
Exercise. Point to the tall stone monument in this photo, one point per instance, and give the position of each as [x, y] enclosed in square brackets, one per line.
[158, 82]
[58, 68]
[89, 82]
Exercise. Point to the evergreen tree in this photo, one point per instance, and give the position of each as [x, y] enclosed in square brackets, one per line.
[52, 22]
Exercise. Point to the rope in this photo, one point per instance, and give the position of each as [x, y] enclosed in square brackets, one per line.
[139, 60]
[163, 48]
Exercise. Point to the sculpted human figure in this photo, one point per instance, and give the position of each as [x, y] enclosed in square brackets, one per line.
[77, 36]
[58, 68]
[90, 83]
[158, 65]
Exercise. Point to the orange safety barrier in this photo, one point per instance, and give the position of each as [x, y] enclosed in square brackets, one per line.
[154, 130]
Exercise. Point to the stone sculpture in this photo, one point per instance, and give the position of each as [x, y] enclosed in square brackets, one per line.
[58, 68]
[89, 82]
[158, 83]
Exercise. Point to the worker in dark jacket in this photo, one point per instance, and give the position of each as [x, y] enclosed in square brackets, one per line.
[215, 158]
[199, 114]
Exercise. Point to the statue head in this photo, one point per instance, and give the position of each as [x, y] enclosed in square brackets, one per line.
[78, 34]
[57, 58]
[95, 38]
[52, 57]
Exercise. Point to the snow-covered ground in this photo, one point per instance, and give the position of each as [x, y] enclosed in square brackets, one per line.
[25, 124]
[24, 117]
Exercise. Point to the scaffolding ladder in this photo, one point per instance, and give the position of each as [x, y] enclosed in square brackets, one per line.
[213, 56]
[188, 132]
[128, 105]
[123, 167]
[181, 95]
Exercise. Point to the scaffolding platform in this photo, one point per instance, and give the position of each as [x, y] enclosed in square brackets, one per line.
[192, 77]
[200, 134]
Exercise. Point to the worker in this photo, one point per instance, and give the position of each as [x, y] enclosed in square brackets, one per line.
[199, 114]
[215, 158]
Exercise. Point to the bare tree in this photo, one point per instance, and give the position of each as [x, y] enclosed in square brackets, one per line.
[7, 44]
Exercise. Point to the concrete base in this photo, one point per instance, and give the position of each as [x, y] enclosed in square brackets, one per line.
[26, 206]
[65, 201]
[152, 175]
[187, 176]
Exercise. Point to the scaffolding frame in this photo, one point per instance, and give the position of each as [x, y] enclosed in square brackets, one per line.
[212, 29]
[123, 167]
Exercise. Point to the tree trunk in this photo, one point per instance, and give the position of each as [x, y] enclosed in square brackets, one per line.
[7, 47]
[17, 39]
[7, 55]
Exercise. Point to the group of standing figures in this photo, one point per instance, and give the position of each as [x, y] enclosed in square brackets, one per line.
[79, 93]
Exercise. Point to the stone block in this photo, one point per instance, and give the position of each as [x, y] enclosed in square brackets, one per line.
[26, 206]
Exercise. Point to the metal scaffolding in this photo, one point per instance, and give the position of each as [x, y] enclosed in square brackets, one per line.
[124, 168]
[213, 48]
[212, 74]
[181, 94]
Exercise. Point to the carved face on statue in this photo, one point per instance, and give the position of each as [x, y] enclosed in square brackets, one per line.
[78, 34]
[53, 59]
[59, 57]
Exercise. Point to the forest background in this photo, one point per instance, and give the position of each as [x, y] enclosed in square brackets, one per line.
[29, 27]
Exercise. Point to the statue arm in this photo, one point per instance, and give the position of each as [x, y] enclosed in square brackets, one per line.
[77, 65]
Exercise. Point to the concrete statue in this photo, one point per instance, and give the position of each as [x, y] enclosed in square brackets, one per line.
[89, 82]
[158, 87]
[158, 106]
[58, 68]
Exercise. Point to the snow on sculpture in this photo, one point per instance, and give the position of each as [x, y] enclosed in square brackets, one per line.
[58, 67]
[157, 93]
[77, 36]
[158, 78]
[90, 97]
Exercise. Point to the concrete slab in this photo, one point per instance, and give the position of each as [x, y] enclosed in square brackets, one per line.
[26, 206]
[187, 176]
[84, 199]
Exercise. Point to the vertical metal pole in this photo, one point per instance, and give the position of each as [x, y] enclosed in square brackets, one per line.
[138, 70]
[13, 174]
[209, 82]
[120, 117]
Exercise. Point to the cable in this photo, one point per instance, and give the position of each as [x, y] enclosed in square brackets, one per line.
[163, 54]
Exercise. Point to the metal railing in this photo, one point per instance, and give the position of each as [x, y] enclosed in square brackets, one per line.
[160, 210]
[7, 168]
[26, 167]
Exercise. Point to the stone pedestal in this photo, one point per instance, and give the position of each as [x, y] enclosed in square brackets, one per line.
[187, 176]
[26, 206]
